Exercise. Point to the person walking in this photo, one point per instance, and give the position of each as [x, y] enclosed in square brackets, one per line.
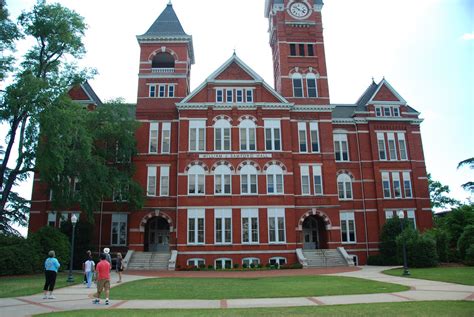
[89, 266]
[119, 266]
[88, 255]
[51, 266]
[103, 280]
[108, 257]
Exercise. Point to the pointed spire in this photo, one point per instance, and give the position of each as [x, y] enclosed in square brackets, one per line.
[167, 24]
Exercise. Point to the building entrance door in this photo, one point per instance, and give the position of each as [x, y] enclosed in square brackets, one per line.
[158, 234]
[310, 233]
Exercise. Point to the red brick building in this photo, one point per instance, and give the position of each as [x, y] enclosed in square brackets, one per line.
[237, 171]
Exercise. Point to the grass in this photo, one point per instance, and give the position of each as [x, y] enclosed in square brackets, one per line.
[412, 309]
[15, 286]
[265, 287]
[458, 275]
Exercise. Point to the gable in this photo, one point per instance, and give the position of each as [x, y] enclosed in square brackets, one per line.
[234, 72]
[385, 94]
[77, 93]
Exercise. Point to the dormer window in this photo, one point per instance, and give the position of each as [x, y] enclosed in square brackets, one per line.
[228, 96]
[387, 111]
[237, 95]
[219, 95]
[163, 61]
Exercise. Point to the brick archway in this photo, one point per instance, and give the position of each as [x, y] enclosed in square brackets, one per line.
[156, 213]
[315, 212]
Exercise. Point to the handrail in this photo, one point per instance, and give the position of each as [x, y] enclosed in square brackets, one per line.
[127, 258]
[301, 258]
[172, 261]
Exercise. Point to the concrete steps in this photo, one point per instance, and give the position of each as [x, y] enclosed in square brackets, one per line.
[324, 258]
[149, 261]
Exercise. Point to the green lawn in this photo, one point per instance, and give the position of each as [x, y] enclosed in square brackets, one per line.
[459, 275]
[228, 288]
[32, 284]
[411, 309]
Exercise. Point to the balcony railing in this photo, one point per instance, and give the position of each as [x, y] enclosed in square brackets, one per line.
[163, 70]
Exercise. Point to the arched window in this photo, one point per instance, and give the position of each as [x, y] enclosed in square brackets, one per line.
[248, 180]
[196, 262]
[248, 261]
[163, 60]
[311, 85]
[274, 180]
[277, 261]
[196, 180]
[297, 85]
[344, 186]
[222, 180]
[247, 135]
[222, 135]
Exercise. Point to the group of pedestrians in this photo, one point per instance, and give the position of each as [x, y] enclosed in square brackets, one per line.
[101, 272]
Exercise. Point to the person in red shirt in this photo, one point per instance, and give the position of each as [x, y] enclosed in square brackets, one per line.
[103, 279]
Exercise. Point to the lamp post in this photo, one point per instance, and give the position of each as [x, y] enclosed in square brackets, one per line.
[70, 278]
[401, 215]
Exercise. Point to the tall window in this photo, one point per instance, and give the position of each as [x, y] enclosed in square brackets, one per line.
[121, 192]
[247, 135]
[407, 185]
[223, 222]
[222, 135]
[119, 229]
[196, 180]
[344, 186]
[197, 135]
[272, 135]
[52, 219]
[222, 180]
[164, 180]
[341, 147]
[302, 137]
[249, 226]
[248, 180]
[249, 95]
[292, 49]
[314, 134]
[151, 182]
[276, 225]
[301, 49]
[397, 187]
[392, 147]
[239, 95]
[219, 95]
[229, 98]
[310, 50]
[274, 180]
[402, 145]
[170, 91]
[381, 145]
[196, 226]
[347, 227]
[311, 85]
[297, 85]
[165, 137]
[305, 184]
[153, 141]
[317, 180]
[411, 218]
[386, 185]
[161, 91]
[152, 91]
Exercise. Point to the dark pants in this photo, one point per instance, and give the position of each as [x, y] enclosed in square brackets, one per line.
[50, 280]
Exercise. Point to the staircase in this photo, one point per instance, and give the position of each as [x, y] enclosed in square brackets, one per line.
[324, 258]
[149, 261]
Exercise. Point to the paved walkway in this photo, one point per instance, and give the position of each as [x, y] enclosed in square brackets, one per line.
[77, 297]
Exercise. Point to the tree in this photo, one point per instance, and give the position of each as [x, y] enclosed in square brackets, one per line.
[86, 156]
[47, 71]
[438, 194]
[469, 186]
[455, 221]
[8, 34]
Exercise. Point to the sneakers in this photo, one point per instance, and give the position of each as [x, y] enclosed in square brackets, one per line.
[96, 301]
[45, 296]
[51, 297]
[106, 302]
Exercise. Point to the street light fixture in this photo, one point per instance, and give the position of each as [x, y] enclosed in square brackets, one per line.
[401, 215]
[70, 278]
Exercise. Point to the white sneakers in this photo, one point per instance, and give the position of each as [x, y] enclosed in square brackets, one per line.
[49, 297]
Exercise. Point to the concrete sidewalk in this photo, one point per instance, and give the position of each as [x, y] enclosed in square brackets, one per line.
[78, 297]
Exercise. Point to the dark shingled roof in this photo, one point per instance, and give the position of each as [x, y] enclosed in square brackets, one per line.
[167, 24]
[343, 111]
[364, 99]
[91, 93]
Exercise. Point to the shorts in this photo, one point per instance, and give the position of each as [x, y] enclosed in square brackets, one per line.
[103, 285]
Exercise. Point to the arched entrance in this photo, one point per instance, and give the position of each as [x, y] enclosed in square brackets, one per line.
[157, 235]
[314, 233]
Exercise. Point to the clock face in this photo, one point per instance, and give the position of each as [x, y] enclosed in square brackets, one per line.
[299, 9]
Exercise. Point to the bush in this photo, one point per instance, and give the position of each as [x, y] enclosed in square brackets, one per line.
[236, 265]
[18, 256]
[466, 240]
[210, 267]
[202, 266]
[297, 266]
[82, 239]
[388, 243]
[440, 236]
[469, 258]
[245, 265]
[268, 265]
[49, 238]
[381, 260]
[252, 265]
[421, 249]
[259, 266]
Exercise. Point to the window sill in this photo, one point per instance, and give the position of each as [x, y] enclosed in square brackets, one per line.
[348, 243]
[277, 243]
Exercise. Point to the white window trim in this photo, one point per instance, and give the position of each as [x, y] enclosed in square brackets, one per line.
[302, 128]
[223, 259]
[317, 171]
[154, 126]
[223, 214]
[249, 214]
[119, 218]
[165, 126]
[304, 171]
[164, 172]
[151, 173]
[222, 95]
[313, 126]
[273, 125]
[276, 213]
[196, 214]
[348, 216]
[197, 125]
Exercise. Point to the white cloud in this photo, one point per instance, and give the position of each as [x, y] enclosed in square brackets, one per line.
[468, 36]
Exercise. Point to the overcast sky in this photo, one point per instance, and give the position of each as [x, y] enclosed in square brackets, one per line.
[424, 48]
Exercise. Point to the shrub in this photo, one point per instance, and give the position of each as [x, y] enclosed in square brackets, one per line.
[297, 266]
[268, 266]
[49, 238]
[245, 265]
[421, 249]
[469, 258]
[466, 240]
[252, 265]
[236, 265]
[380, 260]
[388, 243]
[210, 267]
[285, 267]
[202, 266]
[18, 256]
[440, 236]
[259, 266]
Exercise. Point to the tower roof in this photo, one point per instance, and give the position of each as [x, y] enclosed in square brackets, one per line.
[167, 24]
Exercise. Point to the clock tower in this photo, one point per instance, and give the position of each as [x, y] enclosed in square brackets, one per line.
[296, 39]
